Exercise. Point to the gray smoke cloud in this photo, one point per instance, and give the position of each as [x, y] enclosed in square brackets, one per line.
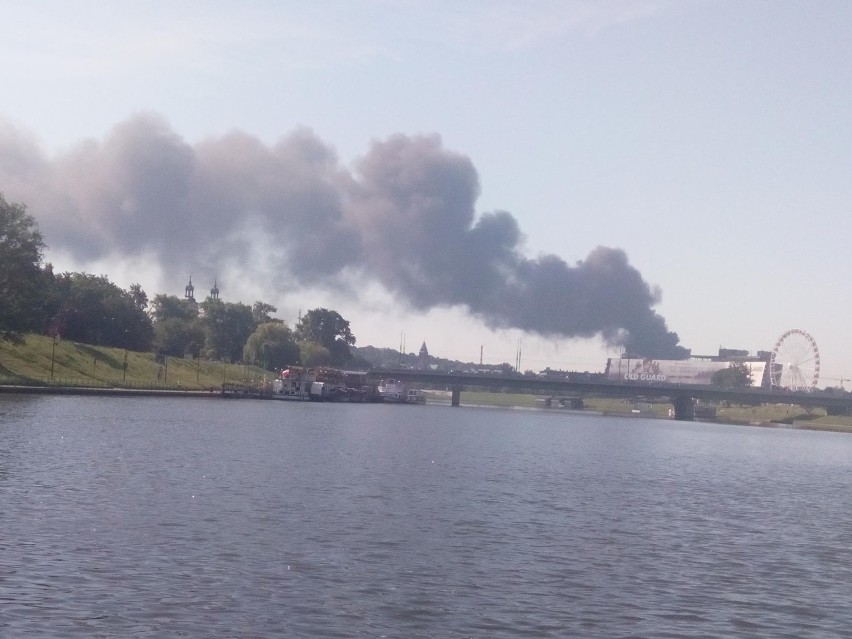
[404, 215]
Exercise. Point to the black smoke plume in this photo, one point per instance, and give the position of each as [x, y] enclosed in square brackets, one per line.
[404, 216]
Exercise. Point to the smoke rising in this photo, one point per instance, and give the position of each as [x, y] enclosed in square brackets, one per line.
[404, 215]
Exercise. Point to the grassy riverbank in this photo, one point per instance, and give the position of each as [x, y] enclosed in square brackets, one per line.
[35, 362]
[38, 361]
[764, 415]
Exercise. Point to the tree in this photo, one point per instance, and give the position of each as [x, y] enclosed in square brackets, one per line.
[170, 306]
[93, 310]
[22, 281]
[272, 346]
[178, 337]
[737, 375]
[314, 354]
[140, 297]
[177, 329]
[262, 313]
[324, 326]
[227, 328]
[328, 329]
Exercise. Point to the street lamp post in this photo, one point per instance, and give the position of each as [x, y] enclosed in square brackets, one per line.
[53, 356]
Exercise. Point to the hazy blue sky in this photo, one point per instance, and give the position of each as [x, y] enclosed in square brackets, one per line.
[711, 140]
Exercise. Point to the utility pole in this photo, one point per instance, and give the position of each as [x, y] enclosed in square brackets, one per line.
[53, 356]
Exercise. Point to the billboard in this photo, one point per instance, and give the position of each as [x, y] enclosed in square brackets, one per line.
[673, 371]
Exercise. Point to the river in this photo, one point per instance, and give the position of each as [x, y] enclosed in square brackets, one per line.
[125, 517]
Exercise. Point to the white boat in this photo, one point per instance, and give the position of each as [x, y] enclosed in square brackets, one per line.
[415, 396]
[316, 385]
[396, 392]
[294, 383]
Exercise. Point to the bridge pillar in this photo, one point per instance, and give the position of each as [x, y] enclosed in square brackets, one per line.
[456, 400]
[684, 409]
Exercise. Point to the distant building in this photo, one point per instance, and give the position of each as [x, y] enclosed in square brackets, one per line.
[189, 291]
[423, 357]
[698, 369]
[214, 292]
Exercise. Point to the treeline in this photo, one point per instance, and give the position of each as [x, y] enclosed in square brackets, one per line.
[91, 309]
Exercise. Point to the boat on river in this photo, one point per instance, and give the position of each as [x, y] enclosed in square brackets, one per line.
[415, 396]
[295, 383]
[393, 391]
[322, 385]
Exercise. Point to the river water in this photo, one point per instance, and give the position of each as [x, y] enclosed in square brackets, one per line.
[215, 518]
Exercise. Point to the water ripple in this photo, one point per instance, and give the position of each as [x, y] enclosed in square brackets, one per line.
[189, 518]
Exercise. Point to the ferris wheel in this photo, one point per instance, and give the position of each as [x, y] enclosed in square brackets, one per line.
[794, 363]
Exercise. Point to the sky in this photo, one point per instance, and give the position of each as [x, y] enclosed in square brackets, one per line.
[567, 179]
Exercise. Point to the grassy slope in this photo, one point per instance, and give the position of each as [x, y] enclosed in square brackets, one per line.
[764, 414]
[81, 364]
[84, 365]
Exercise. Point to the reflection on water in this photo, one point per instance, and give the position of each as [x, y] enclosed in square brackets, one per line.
[207, 518]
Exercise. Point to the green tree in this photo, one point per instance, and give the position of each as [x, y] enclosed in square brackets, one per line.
[178, 337]
[93, 310]
[737, 375]
[170, 306]
[23, 283]
[262, 313]
[227, 328]
[140, 297]
[314, 354]
[330, 330]
[272, 346]
[178, 330]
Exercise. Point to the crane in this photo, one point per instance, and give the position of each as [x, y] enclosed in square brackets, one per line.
[839, 379]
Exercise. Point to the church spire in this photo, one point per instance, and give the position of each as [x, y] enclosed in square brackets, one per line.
[423, 357]
[189, 291]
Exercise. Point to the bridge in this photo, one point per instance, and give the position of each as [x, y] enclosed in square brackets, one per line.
[682, 396]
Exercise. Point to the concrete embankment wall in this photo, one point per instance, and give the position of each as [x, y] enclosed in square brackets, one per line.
[108, 392]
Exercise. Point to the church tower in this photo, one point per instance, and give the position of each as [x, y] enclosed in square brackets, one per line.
[214, 292]
[423, 357]
[189, 291]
